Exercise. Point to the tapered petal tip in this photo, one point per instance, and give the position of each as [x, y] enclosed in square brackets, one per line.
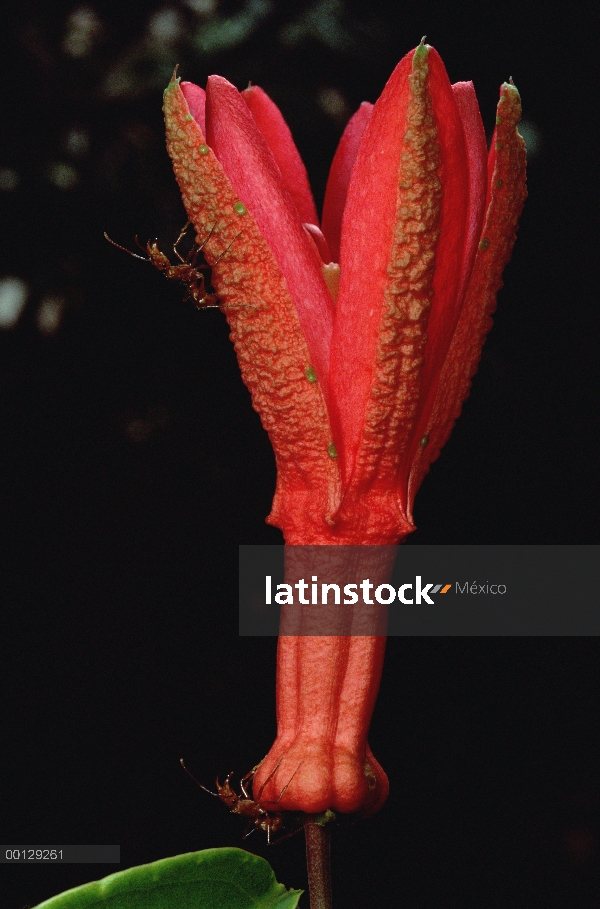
[422, 50]
[173, 84]
[510, 90]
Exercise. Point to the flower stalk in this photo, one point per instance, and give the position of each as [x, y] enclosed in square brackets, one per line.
[318, 861]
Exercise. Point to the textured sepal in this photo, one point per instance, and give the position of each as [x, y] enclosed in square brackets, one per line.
[265, 329]
[379, 370]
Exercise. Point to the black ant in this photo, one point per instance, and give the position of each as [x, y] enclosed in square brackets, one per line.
[187, 271]
[259, 818]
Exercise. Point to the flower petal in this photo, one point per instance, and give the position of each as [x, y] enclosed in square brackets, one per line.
[507, 193]
[274, 359]
[339, 177]
[252, 171]
[368, 222]
[270, 122]
[196, 102]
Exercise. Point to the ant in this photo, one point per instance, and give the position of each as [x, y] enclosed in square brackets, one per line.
[187, 271]
[259, 818]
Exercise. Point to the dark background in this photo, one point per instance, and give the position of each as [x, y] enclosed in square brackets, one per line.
[133, 464]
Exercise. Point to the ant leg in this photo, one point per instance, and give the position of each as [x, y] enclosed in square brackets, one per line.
[286, 836]
[207, 238]
[250, 776]
[124, 248]
[250, 828]
[243, 788]
[192, 256]
[182, 234]
[225, 251]
[284, 790]
[270, 777]
[196, 248]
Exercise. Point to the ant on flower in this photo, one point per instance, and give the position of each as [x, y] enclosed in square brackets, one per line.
[258, 817]
[188, 272]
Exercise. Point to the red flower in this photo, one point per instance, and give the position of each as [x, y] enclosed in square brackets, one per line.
[357, 388]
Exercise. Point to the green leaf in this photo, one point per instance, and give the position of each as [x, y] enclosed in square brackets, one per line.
[211, 879]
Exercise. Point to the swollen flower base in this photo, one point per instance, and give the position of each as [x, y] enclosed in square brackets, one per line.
[358, 369]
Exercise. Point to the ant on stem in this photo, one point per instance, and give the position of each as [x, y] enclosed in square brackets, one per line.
[259, 818]
[188, 272]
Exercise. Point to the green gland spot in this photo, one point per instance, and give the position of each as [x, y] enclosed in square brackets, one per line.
[424, 441]
[203, 149]
[484, 244]
[310, 374]
[498, 121]
[188, 117]
[499, 183]
[332, 450]
[239, 208]
[499, 146]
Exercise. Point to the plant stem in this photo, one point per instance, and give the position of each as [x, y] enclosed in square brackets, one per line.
[318, 863]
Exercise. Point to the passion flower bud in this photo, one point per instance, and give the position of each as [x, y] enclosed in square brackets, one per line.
[357, 368]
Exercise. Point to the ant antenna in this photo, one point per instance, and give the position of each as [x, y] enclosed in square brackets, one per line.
[195, 780]
[124, 248]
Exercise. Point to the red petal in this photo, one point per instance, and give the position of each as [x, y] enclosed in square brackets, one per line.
[468, 108]
[507, 194]
[196, 101]
[270, 122]
[339, 177]
[367, 228]
[321, 247]
[249, 164]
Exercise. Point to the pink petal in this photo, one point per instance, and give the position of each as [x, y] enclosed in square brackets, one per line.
[196, 101]
[339, 177]
[251, 168]
[321, 247]
[270, 122]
